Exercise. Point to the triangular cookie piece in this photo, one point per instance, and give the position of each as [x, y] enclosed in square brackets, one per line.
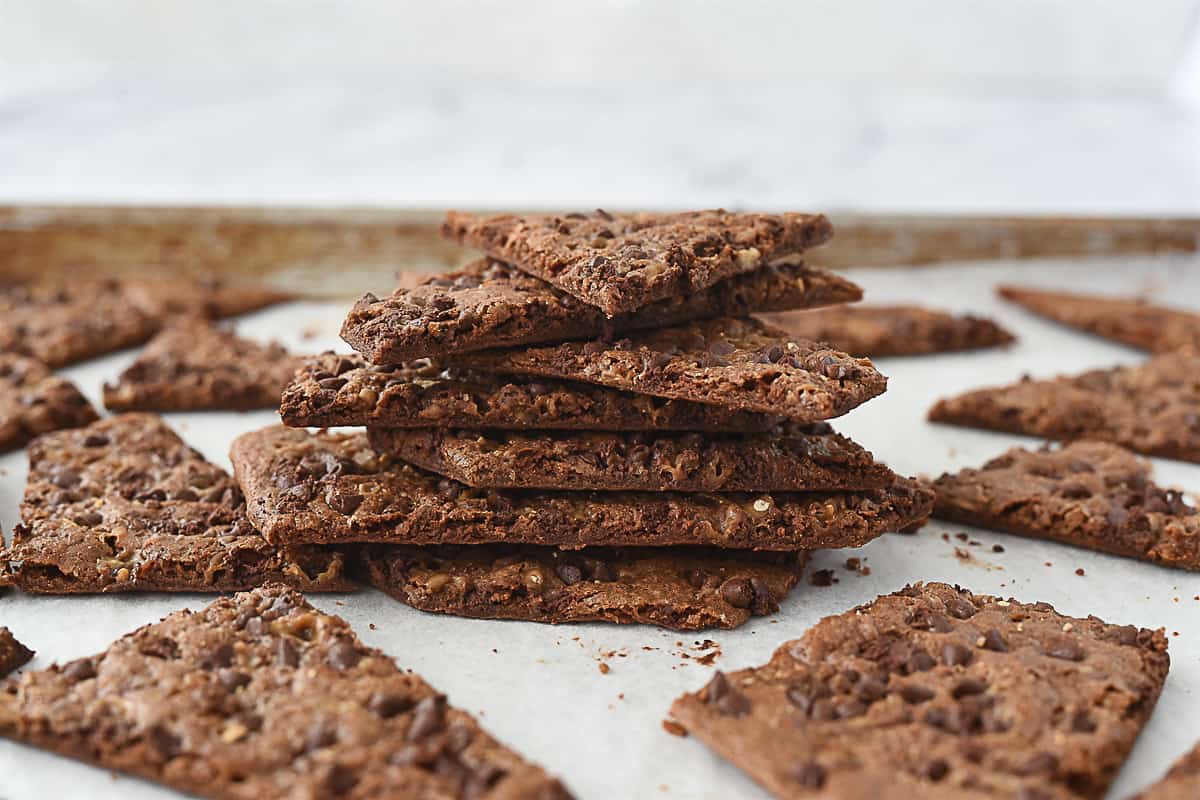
[892, 330]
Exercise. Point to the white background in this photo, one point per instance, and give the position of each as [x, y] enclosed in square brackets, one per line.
[542, 692]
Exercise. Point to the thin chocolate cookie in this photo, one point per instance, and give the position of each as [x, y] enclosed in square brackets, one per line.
[60, 325]
[332, 390]
[13, 654]
[489, 304]
[1089, 494]
[1129, 320]
[325, 488]
[938, 693]
[622, 262]
[33, 401]
[792, 458]
[892, 330]
[682, 588]
[125, 505]
[1152, 408]
[1182, 782]
[195, 366]
[260, 696]
[735, 363]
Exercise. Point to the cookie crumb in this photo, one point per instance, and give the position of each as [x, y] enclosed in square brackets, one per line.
[674, 728]
[1079, 571]
[997, 548]
[823, 577]
[604, 669]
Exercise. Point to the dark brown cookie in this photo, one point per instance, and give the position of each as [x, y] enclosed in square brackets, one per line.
[332, 390]
[1182, 782]
[33, 400]
[1130, 320]
[892, 330]
[125, 505]
[303, 487]
[622, 262]
[735, 363]
[490, 304]
[193, 365]
[682, 588]
[260, 696]
[1090, 494]
[60, 325]
[940, 694]
[13, 654]
[791, 458]
[1152, 408]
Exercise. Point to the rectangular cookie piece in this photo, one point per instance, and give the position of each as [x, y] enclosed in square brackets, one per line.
[935, 692]
[490, 304]
[1151, 408]
[333, 390]
[736, 363]
[193, 365]
[125, 505]
[681, 588]
[892, 330]
[622, 262]
[1182, 782]
[260, 696]
[13, 654]
[33, 401]
[1089, 494]
[1130, 320]
[327, 488]
[791, 458]
[61, 325]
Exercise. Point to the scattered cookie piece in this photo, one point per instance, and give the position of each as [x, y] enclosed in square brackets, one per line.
[333, 390]
[490, 304]
[681, 588]
[1088, 494]
[33, 401]
[13, 654]
[790, 459]
[328, 488]
[260, 695]
[940, 693]
[193, 365]
[622, 262]
[1182, 782]
[125, 505]
[1129, 320]
[1152, 408]
[735, 363]
[877, 331]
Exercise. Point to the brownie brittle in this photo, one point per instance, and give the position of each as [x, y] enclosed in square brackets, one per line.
[260, 696]
[13, 654]
[892, 330]
[33, 400]
[622, 262]
[938, 693]
[489, 304]
[1090, 494]
[324, 488]
[1182, 781]
[735, 363]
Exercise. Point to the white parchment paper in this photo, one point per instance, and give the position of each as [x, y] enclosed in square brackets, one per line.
[540, 688]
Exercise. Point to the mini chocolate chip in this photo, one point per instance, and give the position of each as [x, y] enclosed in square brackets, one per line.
[287, 654]
[569, 574]
[992, 640]
[811, 775]
[389, 705]
[870, 690]
[771, 355]
[915, 695]
[320, 735]
[95, 440]
[219, 656]
[725, 697]
[343, 656]
[233, 680]
[956, 654]
[961, 608]
[1064, 647]
[935, 769]
[738, 592]
[340, 779]
[920, 661]
[1126, 635]
[88, 519]
[81, 669]
[66, 478]
[428, 717]
[599, 261]
[967, 687]
[345, 502]
[163, 741]
[1081, 722]
[805, 696]
[1038, 763]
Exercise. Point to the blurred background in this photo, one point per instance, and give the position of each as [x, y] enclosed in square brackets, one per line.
[926, 105]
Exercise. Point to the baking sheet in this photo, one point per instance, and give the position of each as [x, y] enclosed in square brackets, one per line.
[540, 688]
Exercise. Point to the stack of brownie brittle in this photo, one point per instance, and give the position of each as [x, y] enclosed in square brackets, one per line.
[586, 424]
